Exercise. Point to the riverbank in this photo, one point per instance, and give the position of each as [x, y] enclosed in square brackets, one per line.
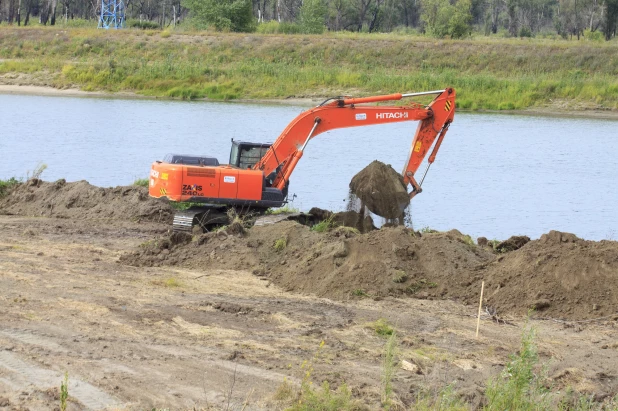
[33, 90]
[488, 73]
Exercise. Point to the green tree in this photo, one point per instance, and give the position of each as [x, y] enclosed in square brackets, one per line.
[611, 19]
[224, 15]
[441, 18]
[461, 17]
[435, 16]
[312, 16]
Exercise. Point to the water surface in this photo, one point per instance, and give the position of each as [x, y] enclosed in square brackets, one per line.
[495, 176]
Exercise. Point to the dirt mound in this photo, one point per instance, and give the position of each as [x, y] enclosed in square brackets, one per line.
[381, 190]
[348, 218]
[559, 275]
[513, 243]
[339, 264]
[80, 200]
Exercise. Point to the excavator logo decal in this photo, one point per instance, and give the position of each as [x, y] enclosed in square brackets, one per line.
[391, 115]
[447, 106]
[191, 190]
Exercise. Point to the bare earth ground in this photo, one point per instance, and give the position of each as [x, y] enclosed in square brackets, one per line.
[142, 337]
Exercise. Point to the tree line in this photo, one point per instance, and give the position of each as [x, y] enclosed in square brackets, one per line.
[440, 18]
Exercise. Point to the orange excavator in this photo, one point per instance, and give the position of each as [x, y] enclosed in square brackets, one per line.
[258, 174]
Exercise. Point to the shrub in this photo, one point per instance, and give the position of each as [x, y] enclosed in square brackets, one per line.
[593, 35]
[142, 25]
[525, 32]
[312, 16]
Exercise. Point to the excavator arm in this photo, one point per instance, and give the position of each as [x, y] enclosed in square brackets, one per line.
[279, 161]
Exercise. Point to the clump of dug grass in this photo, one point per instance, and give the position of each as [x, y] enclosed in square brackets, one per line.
[324, 225]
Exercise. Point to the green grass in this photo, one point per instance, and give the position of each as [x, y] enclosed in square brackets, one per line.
[141, 182]
[280, 244]
[324, 225]
[382, 328]
[183, 205]
[359, 292]
[519, 386]
[388, 368]
[400, 276]
[487, 72]
[283, 210]
[7, 185]
[64, 392]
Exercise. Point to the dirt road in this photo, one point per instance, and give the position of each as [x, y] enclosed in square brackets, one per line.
[142, 337]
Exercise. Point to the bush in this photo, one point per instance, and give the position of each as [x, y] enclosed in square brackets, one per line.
[270, 27]
[143, 25]
[593, 35]
[525, 32]
[312, 16]
[224, 15]
[274, 27]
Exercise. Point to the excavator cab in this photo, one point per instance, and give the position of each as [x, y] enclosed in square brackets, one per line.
[245, 155]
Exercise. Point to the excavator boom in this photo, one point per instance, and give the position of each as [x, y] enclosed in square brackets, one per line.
[281, 159]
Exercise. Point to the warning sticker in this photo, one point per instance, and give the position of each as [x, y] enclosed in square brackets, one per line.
[229, 179]
[361, 116]
[417, 146]
[447, 106]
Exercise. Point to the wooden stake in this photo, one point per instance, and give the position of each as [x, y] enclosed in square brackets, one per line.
[478, 319]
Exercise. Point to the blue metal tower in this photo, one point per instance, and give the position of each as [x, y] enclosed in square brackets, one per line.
[112, 14]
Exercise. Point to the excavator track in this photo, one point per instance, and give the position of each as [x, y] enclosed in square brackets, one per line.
[204, 217]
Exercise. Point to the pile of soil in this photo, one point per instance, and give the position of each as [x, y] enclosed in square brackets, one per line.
[338, 264]
[350, 218]
[559, 275]
[381, 190]
[80, 200]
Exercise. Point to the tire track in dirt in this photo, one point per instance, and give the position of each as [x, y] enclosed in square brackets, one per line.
[23, 374]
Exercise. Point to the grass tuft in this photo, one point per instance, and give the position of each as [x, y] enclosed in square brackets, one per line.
[282, 210]
[382, 328]
[519, 387]
[141, 182]
[280, 244]
[388, 369]
[324, 225]
[64, 392]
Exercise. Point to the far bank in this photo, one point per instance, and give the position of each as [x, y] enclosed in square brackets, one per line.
[550, 76]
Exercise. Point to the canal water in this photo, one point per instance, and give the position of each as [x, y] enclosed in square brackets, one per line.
[495, 176]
